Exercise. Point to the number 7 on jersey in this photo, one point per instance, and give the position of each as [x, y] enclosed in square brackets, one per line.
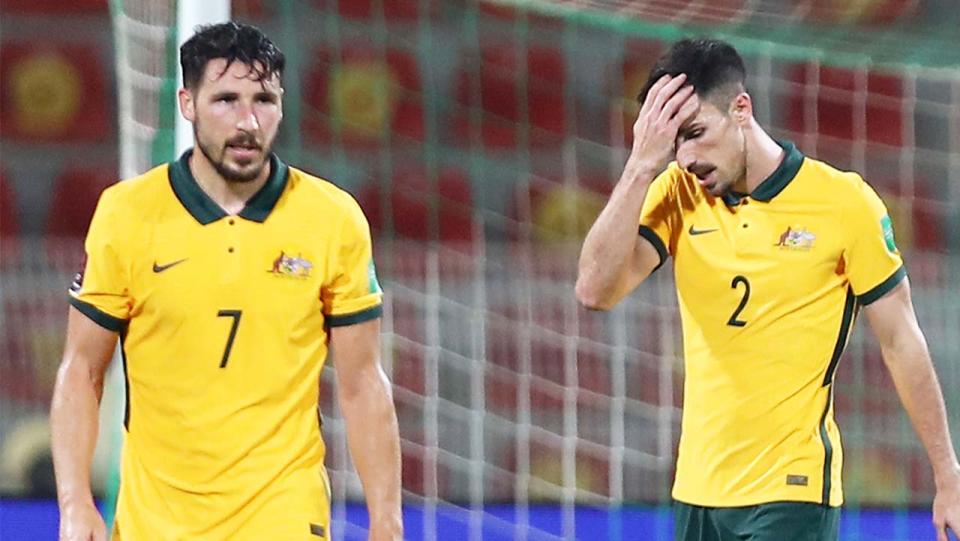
[235, 314]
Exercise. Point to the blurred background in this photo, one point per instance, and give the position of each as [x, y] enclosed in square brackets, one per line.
[482, 138]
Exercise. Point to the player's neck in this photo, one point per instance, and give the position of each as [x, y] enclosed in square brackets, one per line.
[763, 157]
[232, 197]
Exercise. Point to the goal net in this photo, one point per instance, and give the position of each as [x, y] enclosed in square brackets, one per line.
[482, 138]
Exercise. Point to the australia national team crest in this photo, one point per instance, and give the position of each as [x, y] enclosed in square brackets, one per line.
[796, 238]
[292, 266]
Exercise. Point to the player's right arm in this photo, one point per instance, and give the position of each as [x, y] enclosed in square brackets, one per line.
[614, 259]
[74, 424]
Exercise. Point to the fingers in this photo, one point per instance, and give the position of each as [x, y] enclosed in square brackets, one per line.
[665, 93]
[687, 111]
[660, 92]
[673, 104]
[940, 525]
[654, 90]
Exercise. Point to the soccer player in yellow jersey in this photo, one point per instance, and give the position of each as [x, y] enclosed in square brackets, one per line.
[774, 255]
[226, 276]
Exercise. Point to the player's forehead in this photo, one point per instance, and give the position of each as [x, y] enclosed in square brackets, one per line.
[708, 114]
[218, 75]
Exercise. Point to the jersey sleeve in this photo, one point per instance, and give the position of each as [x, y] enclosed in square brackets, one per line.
[100, 290]
[659, 216]
[352, 293]
[872, 263]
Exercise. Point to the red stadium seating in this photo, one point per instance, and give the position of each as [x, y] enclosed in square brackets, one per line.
[410, 196]
[393, 10]
[869, 12]
[9, 223]
[53, 7]
[53, 92]
[542, 207]
[363, 97]
[252, 9]
[510, 15]
[74, 198]
[836, 108]
[495, 94]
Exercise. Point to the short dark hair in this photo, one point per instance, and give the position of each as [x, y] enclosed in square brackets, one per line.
[236, 42]
[709, 64]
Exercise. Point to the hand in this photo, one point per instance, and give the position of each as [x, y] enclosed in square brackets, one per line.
[665, 109]
[82, 522]
[946, 509]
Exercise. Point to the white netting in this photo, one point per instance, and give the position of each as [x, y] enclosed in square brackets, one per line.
[507, 392]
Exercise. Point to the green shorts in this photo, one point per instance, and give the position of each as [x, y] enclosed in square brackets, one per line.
[778, 521]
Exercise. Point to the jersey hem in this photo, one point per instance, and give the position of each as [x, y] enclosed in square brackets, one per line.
[356, 317]
[98, 316]
[883, 288]
[657, 243]
[747, 502]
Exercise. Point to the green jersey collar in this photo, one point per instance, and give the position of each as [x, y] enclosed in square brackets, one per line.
[204, 210]
[777, 181]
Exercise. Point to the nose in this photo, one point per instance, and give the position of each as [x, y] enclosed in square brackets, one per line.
[248, 120]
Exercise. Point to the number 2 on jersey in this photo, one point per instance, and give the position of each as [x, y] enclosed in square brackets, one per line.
[737, 280]
[235, 314]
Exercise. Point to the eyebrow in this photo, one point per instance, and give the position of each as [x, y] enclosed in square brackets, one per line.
[223, 94]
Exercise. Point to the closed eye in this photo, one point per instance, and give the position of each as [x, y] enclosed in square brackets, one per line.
[691, 134]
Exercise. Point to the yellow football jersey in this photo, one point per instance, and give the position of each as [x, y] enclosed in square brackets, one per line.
[769, 286]
[223, 330]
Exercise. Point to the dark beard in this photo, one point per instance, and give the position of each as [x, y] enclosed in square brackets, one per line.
[222, 170]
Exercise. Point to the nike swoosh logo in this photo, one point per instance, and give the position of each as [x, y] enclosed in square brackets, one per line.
[694, 231]
[161, 268]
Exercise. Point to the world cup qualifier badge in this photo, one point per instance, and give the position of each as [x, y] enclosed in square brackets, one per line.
[77, 283]
[887, 227]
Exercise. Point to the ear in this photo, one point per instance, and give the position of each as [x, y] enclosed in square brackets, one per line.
[187, 104]
[742, 108]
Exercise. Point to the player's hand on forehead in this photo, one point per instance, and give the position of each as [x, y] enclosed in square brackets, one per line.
[668, 105]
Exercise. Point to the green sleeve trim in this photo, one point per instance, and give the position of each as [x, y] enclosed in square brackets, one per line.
[657, 243]
[356, 317]
[883, 288]
[99, 317]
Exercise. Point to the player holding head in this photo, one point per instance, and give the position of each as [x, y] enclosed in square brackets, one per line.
[774, 256]
[226, 275]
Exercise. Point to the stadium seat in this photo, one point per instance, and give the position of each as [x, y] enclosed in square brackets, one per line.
[543, 207]
[836, 105]
[53, 92]
[510, 15]
[411, 194]
[253, 10]
[393, 10]
[9, 223]
[74, 198]
[495, 94]
[363, 97]
[54, 7]
[864, 13]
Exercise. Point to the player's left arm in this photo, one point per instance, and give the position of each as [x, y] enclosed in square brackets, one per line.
[366, 400]
[905, 353]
